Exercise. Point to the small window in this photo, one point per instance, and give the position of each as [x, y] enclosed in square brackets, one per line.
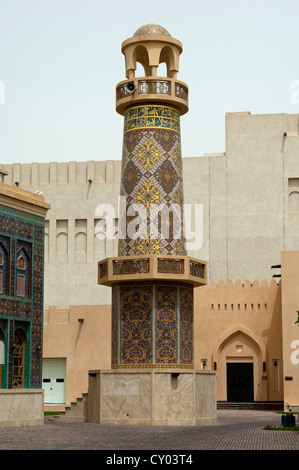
[1, 282]
[21, 263]
[23, 274]
[21, 285]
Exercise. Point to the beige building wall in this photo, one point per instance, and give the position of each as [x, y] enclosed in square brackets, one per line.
[250, 196]
[84, 344]
[241, 322]
[290, 306]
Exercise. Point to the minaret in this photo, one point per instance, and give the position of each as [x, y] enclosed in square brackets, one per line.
[152, 278]
[152, 163]
[152, 379]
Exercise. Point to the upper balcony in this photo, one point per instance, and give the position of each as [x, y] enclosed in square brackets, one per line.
[152, 268]
[148, 89]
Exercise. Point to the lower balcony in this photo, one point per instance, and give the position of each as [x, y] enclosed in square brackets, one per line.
[152, 267]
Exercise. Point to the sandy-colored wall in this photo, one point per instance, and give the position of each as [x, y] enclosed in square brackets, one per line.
[85, 345]
[290, 330]
[229, 315]
[21, 407]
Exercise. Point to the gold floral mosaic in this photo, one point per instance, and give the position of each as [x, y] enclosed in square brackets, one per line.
[152, 176]
[152, 325]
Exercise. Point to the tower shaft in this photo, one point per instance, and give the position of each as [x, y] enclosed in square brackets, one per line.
[152, 278]
[152, 182]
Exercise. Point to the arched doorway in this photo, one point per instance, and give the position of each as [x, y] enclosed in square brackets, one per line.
[239, 382]
[240, 356]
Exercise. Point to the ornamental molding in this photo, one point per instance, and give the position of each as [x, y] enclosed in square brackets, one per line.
[19, 204]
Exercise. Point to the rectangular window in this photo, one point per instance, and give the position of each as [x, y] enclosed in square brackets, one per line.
[1, 282]
[276, 375]
[21, 285]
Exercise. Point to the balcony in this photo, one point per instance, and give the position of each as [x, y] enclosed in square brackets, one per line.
[144, 90]
[152, 267]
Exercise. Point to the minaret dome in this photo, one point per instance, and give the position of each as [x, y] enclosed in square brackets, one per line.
[150, 46]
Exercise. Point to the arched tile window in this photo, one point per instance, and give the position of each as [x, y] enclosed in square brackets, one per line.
[23, 278]
[2, 354]
[21, 263]
[3, 270]
[19, 358]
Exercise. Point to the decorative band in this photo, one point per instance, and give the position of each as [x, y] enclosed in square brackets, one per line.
[152, 116]
[152, 366]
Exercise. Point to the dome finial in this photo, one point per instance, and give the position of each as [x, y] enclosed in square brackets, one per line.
[151, 29]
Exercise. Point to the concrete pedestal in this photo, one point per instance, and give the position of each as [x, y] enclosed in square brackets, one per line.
[21, 407]
[152, 397]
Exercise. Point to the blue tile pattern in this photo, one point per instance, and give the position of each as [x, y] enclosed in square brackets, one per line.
[22, 234]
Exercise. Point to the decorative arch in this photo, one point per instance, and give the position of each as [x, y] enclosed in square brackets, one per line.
[21, 264]
[141, 56]
[167, 56]
[81, 246]
[3, 269]
[62, 247]
[237, 331]
[223, 356]
[23, 273]
[294, 202]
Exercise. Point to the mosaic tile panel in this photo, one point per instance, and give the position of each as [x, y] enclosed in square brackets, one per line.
[186, 325]
[115, 326]
[152, 325]
[136, 334]
[152, 177]
[25, 234]
[166, 325]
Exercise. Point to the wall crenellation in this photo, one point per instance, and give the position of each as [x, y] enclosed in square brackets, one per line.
[247, 284]
[41, 174]
[241, 296]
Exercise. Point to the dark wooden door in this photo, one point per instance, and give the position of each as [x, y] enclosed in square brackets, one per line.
[239, 382]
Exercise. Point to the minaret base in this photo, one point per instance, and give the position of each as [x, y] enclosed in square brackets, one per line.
[155, 397]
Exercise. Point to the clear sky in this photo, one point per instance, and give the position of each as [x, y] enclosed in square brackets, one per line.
[60, 61]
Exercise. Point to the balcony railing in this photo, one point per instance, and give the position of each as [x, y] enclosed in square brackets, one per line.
[152, 267]
[139, 89]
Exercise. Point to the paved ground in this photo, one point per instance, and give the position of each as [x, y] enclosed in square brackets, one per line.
[235, 430]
